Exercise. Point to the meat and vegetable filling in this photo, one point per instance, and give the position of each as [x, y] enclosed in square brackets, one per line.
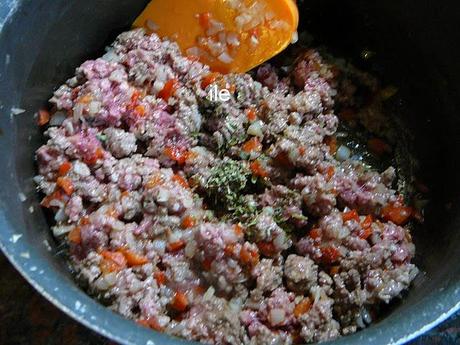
[239, 222]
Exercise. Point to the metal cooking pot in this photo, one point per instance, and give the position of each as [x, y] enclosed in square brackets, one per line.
[416, 47]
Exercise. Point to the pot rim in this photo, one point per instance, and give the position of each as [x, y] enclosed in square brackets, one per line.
[429, 312]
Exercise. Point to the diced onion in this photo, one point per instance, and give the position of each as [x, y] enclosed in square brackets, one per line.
[225, 58]
[254, 41]
[22, 197]
[163, 196]
[17, 111]
[57, 119]
[215, 27]
[60, 230]
[190, 249]
[209, 293]
[256, 129]
[343, 153]
[279, 240]
[81, 169]
[78, 111]
[232, 39]
[278, 24]
[159, 246]
[194, 51]
[94, 107]
[277, 316]
[111, 56]
[151, 25]
[242, 20]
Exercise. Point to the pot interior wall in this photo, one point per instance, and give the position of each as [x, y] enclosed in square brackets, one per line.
[46, 40]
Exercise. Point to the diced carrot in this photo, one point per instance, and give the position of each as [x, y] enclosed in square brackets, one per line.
[139, 110]
[84, 220]
[56, 195]
[168, 90]
[112, 211]
[232, 88]
[154, 181]
[365, 233]
[176, 246]
[267, 248]
[112, 261]
[378, 146]
[249, 257]
[332, 143]
[229, 249]
[43, 117]
[334, 270]
[188, 222]
[75, 235]
[199, 290]
[350, 215]
[207, 263]
[190, 155]
[315, 233]
[302, 307]
[329, 254]
[46, 201]
[85, 99]
[179, 179]
[135, 96]
[64, 168]
[176, 154]
[302, 150]
[251, 114]
[257, 169]
[160, 277]
[396, 213]
[143, 323]
[150, 322]
[66, 184]
[238, 230]
[132, 258]
[367, 222]
[209, 79]
[180, 302]
[205, 20]
[330, 172]
[366, 225]
[252, 145]
[99, 153]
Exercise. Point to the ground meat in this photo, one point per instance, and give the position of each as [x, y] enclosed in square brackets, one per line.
[212, 321]
[301, 273]
[119, 142]
[317, 193]
[220, 222]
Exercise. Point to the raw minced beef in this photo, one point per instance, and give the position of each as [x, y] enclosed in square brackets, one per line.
[222, 222]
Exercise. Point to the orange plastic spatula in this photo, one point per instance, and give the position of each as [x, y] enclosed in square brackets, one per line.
[228, 35]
